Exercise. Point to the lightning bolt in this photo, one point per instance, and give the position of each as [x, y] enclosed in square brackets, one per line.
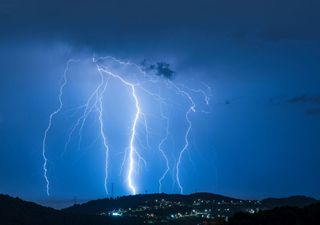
[132, 139]
[52, 115]
[106, 147]
[164, 139]
[192, 108]
[95, 102]
[82, 119]
[132, 150]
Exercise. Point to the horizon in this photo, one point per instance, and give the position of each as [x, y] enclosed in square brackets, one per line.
[60, 204]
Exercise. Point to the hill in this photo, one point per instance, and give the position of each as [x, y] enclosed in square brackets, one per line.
[173, 209]
[14, 211]
[287, 215]
[298, 201]
[107, 204]
[102, 205]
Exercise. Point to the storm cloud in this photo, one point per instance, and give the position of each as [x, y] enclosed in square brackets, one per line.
[160, 69]
[96, 22]
[313, 111]
[305, 99]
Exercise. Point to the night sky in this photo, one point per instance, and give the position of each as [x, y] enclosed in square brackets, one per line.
[259, 136]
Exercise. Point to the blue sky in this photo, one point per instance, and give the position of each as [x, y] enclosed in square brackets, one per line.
[261, 137]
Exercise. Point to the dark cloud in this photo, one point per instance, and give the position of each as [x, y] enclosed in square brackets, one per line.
[313, 111]
[97, 21]
[160, 69]
[305, 99]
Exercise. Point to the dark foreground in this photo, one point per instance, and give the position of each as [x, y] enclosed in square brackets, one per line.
[200, 208]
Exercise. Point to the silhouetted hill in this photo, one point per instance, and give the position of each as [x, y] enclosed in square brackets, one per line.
[17, 211]
[103, 205]
[14, 211]
[308, 215]
[161, 209]
[299, 201]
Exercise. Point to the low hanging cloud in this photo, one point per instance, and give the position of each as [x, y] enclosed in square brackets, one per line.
[305, 99]
[313, 111]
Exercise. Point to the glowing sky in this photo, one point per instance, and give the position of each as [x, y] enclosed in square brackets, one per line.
[258, 137]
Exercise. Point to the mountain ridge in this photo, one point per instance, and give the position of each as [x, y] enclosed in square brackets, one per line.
[14, 210]
[100, 205]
